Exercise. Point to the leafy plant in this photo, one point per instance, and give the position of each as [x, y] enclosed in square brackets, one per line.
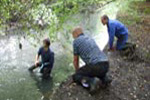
[38, 15]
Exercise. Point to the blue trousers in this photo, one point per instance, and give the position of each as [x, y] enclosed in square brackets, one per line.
[121, 42]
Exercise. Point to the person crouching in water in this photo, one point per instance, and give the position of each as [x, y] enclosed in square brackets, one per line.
[96, 66]
[47, 59]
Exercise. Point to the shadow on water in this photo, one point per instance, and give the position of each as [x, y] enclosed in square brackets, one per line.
[45, 86]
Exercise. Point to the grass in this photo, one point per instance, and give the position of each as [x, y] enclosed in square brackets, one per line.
[136, 13]
[129, 13]
[147, 11]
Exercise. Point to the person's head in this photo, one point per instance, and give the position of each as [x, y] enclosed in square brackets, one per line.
[46, 42]
[104, 19]
[76, 32]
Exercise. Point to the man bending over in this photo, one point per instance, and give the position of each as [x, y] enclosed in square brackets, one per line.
[97, 64]
[115, 29]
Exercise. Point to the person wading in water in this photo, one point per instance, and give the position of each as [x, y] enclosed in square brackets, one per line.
[47, 59]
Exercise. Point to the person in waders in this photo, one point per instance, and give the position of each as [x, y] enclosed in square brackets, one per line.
[47, 59]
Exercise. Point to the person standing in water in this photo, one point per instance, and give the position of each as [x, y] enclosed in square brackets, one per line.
[47, 59]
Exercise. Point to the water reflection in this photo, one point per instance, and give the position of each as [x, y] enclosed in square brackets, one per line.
[45, 86]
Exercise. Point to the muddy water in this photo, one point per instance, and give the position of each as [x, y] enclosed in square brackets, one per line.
[16, 83]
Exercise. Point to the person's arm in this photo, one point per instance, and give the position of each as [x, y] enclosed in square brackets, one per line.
[76, 62]
[52, 60]
[37, 57]
[111, 35]
[76, 56]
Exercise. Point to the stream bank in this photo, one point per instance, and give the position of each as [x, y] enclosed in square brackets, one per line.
[137, 18]
[131, 79]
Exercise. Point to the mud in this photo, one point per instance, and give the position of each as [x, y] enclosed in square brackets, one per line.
[131, 81]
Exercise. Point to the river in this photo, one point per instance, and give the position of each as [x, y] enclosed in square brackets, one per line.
[16, 83]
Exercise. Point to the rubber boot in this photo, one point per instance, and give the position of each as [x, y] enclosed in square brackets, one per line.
[106, 82]
[94, 85]
[32, 68]
[46, 73]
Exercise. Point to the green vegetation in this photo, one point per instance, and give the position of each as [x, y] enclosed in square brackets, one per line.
[147, 11]
[135, 14]
[40, 14]
[129, 12]
[132, 11]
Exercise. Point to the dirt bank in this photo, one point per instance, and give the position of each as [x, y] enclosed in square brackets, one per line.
[131, 79]
[137, 19]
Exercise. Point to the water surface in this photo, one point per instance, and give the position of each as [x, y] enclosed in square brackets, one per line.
[16, 83]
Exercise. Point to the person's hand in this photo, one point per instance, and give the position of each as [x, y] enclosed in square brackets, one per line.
[112, 49]
[36, 63]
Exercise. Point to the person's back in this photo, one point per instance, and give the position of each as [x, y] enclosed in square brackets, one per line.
[120, 29]
[88, 50]
[115, 29]
[96, 63]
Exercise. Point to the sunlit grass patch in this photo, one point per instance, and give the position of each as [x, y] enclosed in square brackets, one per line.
[133, 11]
[147, 11]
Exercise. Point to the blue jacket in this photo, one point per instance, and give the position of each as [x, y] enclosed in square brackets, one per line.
[115, 28]
[47, 57]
